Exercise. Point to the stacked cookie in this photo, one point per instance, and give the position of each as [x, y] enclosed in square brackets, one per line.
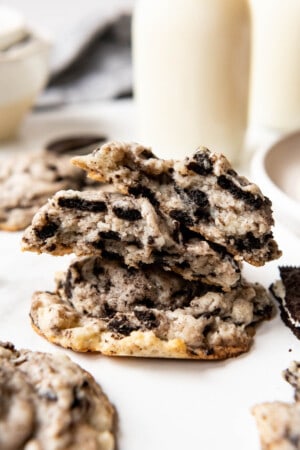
[158, 268]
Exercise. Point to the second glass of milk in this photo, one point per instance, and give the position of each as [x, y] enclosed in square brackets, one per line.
[191, 75]
[275, 93]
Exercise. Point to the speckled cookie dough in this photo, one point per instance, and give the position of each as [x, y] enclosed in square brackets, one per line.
[28, 180]
[123, 227]
[47, 402]
[202, 192]
[278, 422]
[101, 305]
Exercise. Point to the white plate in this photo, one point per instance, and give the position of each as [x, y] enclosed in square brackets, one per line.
[162, 404]
[277, 169]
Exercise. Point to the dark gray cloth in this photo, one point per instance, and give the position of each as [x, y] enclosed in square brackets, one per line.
[92, 62]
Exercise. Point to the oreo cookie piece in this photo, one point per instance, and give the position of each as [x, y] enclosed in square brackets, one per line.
[75, 144]
[287, 292]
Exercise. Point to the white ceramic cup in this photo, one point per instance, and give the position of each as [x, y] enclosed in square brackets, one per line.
[24, 70]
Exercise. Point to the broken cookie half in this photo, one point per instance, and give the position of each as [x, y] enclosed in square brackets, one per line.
[127, 229]
[201, 192]
[48, 402]
[102, 305]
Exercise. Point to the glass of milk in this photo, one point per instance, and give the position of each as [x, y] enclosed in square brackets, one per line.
[191, 75]
[275, 79]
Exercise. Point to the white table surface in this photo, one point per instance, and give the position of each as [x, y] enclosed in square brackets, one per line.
[162, 404]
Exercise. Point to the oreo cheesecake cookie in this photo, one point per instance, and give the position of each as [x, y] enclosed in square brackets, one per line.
[278, 422]
[287, 292]
[102, 305]
[50, 403]
[28, 180]
[128, 229]
[201, 192]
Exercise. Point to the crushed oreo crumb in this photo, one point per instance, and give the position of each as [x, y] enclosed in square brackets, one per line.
[249, 242]
[251, 199]
[82, 205]
[147, 154]
[143, 191]
[201, 164]
[113, 235]
[129, 214]
[121, 325]
[148, 318]
[46, 231]
[181, 216]
[198, 197]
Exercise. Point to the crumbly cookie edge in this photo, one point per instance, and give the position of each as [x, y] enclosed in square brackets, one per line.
[89, 338]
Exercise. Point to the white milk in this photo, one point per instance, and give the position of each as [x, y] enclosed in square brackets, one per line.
[275, 94]
[191, 73]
